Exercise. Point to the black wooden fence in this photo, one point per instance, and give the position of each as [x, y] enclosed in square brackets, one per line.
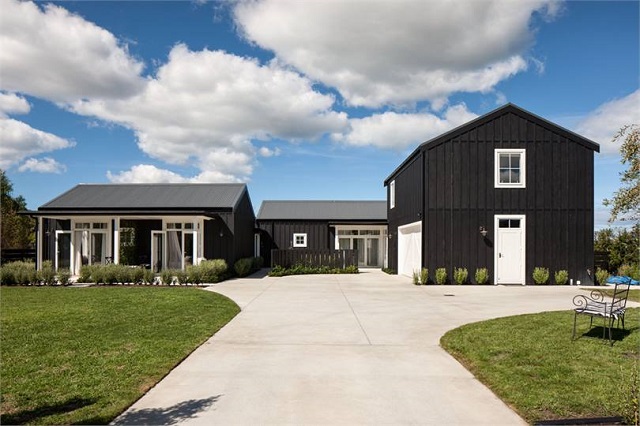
[11, 255]
[309, 257]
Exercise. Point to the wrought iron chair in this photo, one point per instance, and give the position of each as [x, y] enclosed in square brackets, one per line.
[598, 304]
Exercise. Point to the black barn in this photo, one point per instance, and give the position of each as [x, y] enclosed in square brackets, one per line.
[508, 191]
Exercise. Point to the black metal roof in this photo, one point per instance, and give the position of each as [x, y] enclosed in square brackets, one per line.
[145, 197]
[507, 108]
[332, 211]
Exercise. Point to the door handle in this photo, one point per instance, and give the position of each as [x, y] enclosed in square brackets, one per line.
[500, 255]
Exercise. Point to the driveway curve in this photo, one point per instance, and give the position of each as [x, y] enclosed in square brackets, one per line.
[340, 349]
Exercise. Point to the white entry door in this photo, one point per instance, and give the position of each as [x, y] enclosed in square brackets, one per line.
[510, 249]
[409, 248]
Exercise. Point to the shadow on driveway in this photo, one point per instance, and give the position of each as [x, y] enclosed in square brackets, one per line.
[166, 416]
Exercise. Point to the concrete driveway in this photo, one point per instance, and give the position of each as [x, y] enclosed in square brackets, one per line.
[340, 349]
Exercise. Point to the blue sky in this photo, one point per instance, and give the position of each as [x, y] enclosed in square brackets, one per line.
[301, 100]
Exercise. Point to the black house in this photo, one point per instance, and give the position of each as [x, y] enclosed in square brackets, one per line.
[351, 225]
[508, 191]
[158, 225]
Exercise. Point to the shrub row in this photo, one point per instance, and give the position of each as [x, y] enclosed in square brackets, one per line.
[208, 271]
[24, 273]
[280, 271]
[460, 276]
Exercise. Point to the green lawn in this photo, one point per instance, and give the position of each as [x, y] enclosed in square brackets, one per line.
[530, 362]
[83, 355]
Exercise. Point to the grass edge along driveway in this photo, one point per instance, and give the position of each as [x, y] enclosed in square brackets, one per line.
[531, 363]
[83, 355]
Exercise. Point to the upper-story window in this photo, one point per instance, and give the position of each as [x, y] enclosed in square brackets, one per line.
[392, 194]
[510, 165]
[300, 240]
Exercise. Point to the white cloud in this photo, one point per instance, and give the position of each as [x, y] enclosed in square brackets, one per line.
[602, 124]
[10, 103]
[52, 54]
[204, 108]
[378, 53]
[18, 140]
[400, 131]
[44, 165]
[266, 152]
[146, 173]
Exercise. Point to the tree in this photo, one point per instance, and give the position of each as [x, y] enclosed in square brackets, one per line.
[626, 201]
[622, 246]
[16, 231]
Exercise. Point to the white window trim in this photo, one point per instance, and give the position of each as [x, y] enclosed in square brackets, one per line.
[523, 168]
[392, 194]
[304, 237]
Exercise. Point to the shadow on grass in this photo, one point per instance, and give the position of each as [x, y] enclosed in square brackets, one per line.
[30, 416]
[617, 334]
[166, 416]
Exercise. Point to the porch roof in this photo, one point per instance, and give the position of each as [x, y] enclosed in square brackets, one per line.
[145, 198]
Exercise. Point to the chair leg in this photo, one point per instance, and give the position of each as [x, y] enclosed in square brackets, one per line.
[573, 336]
[610, 333]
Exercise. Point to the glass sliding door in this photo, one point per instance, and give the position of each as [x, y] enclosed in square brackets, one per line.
[358, 244]
[373, 252]
[63, 250]
[157, 251]
[189, 246]
[174, 249]
[98, 248]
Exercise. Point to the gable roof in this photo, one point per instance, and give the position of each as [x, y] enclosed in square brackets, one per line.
[505, 109]
[135, 197]
[374, 211]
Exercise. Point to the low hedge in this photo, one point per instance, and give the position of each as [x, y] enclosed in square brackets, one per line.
[280, 271]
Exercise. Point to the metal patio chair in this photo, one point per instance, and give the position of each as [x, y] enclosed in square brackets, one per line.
[598, 304]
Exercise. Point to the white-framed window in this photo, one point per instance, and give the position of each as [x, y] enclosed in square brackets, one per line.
[510, 168]
[299, 240]
[392, 194]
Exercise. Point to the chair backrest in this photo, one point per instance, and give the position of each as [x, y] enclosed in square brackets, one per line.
[619, 298]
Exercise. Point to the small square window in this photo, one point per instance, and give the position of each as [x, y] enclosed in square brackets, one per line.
[300, 240]
[510, 168]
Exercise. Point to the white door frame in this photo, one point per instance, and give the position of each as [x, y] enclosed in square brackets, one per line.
[523, 246]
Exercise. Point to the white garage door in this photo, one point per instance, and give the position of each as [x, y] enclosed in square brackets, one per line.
[409, 248]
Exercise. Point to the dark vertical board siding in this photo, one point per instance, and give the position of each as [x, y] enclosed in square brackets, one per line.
[243, 228]
[459, 197]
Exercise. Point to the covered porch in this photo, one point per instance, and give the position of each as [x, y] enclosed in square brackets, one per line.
[152, 242]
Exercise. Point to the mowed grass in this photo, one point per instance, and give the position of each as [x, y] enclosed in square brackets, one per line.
[532, 364]
[83, 355]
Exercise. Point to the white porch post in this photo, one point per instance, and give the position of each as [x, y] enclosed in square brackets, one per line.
[39, 243]
[116, 240]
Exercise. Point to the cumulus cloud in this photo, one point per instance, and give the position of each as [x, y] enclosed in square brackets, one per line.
[18, 140]
[44, 165]
[602, 124]
[204, 108]
[146, 173]
[52, 54]
[11, 103]
[400, 131]
[397, 52]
